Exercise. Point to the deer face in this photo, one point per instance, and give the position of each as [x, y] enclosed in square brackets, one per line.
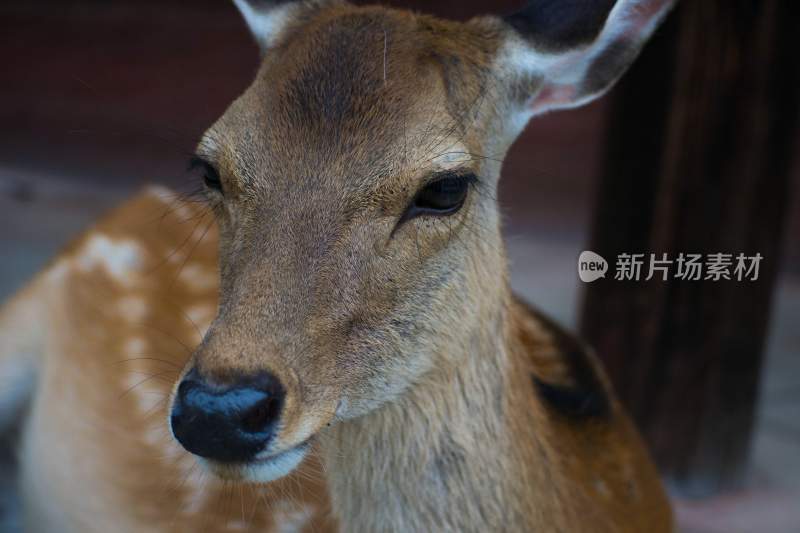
[354, 183]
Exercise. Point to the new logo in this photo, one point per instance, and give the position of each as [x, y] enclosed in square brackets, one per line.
[591, 267]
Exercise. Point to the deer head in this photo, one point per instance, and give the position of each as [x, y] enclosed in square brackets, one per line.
[354, 185]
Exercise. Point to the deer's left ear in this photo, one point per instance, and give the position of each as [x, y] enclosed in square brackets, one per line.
[268, 18]
[572, 51]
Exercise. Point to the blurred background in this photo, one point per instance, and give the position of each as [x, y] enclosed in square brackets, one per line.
[693, 152]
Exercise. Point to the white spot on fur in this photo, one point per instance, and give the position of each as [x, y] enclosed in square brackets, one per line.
[201, 316]
[160, 193]
[289, 518]
[135, 347]
[57, 271]
[138, 385]
[198, 278]
[171, 200]
[119, 258]
[132, 308]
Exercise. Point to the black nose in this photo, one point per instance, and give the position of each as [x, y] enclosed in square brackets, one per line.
[227, 423]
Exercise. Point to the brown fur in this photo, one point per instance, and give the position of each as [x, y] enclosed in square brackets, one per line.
[437, 401]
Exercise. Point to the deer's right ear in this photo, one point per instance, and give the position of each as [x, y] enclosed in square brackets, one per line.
[267, 18]
[564, 53]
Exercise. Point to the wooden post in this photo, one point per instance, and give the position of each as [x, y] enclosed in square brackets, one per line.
[698, 161]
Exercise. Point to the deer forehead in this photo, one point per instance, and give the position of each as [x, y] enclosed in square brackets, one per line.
[360, 93]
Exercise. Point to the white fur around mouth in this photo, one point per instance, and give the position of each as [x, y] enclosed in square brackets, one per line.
[263, 469]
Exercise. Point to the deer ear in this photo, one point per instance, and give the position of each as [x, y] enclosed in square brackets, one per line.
[574, 50]
[267, 18]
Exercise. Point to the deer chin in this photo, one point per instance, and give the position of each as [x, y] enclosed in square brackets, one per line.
[263, 468]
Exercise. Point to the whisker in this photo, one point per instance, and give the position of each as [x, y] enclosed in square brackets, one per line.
[154, 376]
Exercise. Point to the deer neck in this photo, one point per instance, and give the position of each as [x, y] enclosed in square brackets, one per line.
[441, 457]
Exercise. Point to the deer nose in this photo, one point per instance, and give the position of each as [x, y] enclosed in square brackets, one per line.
[228, 423]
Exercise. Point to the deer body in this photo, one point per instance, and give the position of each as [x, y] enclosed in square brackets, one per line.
[356, 343]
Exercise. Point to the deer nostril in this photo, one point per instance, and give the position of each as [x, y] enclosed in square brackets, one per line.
[255, 419]
[229, 423]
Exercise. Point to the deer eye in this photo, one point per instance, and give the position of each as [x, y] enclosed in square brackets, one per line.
[210, 175]
[441, 197]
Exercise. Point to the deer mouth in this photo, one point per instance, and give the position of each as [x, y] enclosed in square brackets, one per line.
[263, 467]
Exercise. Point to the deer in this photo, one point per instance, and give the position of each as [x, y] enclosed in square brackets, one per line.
[327, 340]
